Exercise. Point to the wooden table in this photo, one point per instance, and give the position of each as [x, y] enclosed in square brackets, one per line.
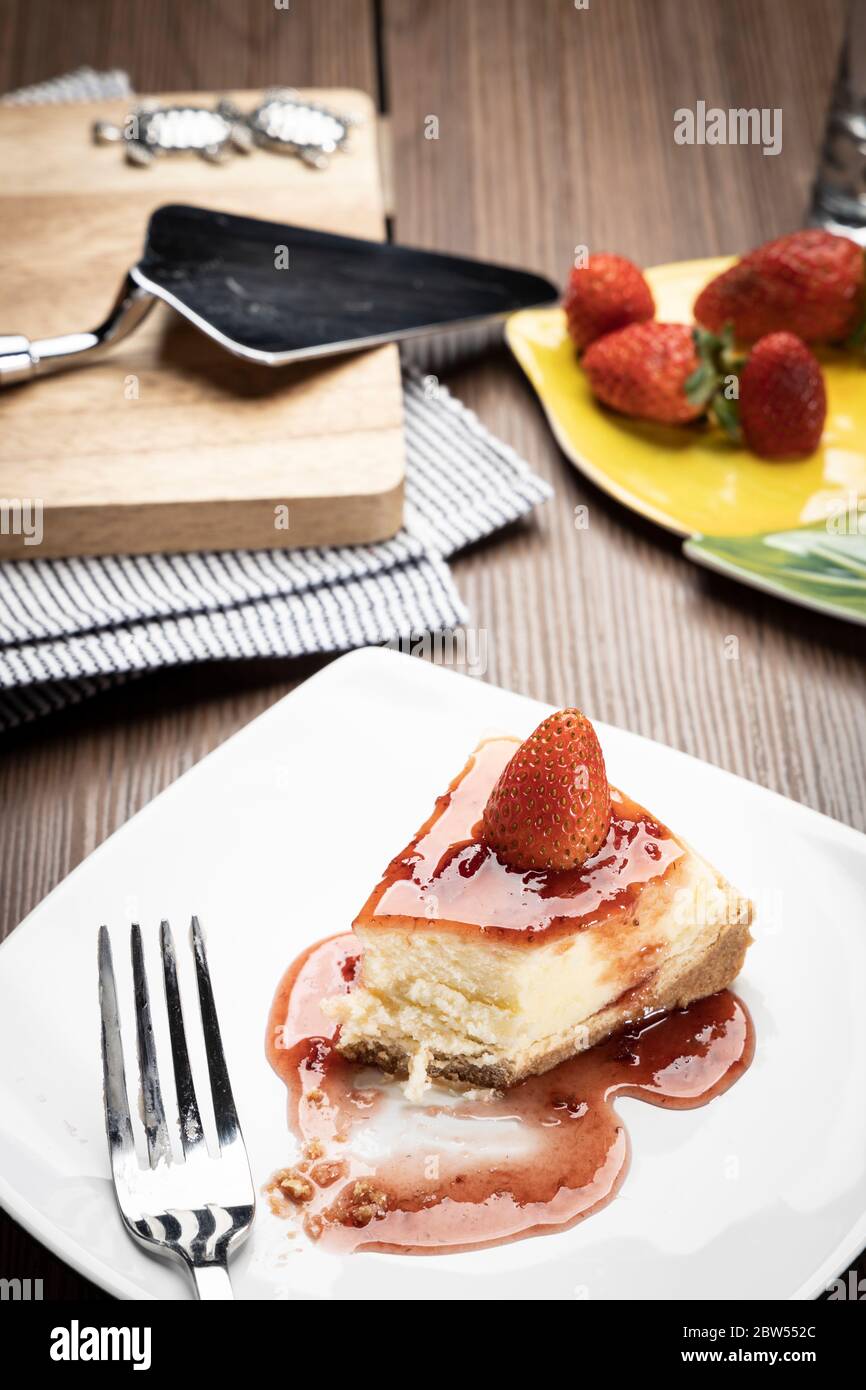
[555, 129]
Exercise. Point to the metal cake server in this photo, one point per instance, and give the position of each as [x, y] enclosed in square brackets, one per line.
[276, 294]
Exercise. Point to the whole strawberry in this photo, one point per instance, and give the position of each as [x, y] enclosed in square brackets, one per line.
[782, 400]
[811, 283]
[642, 370]
[550, 808]
[605, 294]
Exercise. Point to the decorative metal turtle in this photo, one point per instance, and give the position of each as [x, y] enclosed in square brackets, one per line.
[283, 121]
[153, 130]
[286, 123]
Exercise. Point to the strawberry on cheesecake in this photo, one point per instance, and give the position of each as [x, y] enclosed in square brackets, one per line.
[536, 912]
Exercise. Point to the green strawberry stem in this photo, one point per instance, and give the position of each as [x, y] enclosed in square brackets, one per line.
[717, 359]
[727, 415]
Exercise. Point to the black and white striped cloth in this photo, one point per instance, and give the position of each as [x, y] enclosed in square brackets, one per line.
[70, 627]
[81, 85]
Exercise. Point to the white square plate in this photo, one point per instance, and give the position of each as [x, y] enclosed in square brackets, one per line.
[275, 840]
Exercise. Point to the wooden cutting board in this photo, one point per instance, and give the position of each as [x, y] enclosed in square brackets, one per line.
[170, 443]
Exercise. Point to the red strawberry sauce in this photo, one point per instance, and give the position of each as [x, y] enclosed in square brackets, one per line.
[564, 1154]
[447, 875]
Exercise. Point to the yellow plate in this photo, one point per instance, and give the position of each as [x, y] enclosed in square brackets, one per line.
[691, 478]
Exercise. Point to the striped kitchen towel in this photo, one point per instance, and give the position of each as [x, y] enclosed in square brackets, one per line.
[81, 85]
[68, 628]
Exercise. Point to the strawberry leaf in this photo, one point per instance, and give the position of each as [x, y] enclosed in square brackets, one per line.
[727, 415]
[701, 385]
[706, 379]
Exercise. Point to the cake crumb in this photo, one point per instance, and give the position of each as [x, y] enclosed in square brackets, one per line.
[288, 1189]
[313, 1227]
[294, 1185]
[418, 1081]
[365, 1203]
[325, 1174]
[277, 1202]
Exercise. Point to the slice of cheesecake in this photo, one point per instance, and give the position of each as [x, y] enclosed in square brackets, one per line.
[479, 971]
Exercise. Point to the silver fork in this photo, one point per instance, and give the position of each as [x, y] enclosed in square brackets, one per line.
[196, 1209]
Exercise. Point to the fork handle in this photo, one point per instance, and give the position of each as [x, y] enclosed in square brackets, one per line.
[212, 1282]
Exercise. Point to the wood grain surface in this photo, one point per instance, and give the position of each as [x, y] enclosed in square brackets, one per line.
[171, 443]
[555, 129]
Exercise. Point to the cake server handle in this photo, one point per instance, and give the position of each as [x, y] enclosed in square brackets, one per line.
[21, 360]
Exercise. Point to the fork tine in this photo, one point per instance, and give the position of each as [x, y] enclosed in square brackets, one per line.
[118, 1124]
[225, 1114]
[191, 1132]
[153, 1114]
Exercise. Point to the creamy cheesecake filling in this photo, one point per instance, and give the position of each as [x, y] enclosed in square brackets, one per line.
[469, 997]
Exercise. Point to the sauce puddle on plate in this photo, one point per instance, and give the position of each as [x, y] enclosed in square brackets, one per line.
[465, 1170]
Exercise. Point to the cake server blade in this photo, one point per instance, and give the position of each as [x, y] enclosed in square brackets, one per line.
[276, 294]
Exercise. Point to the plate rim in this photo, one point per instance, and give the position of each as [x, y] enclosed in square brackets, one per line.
[19, 1208]
[707, 559]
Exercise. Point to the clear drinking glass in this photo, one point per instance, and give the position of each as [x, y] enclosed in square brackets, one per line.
[839, 194]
